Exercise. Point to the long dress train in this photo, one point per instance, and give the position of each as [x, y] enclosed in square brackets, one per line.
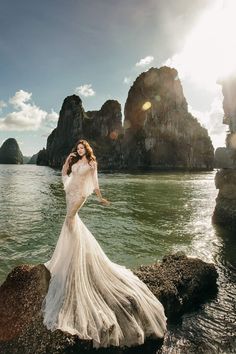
[88, 294]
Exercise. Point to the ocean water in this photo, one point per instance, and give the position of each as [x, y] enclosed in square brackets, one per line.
[150, 215]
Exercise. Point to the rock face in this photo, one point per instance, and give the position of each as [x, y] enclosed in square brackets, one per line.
[10, 152]
[160, 133]
[102, 128]
[33, 159]
[180, 283]
[225, 158]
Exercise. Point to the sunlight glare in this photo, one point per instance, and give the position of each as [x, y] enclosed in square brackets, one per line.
[210, 50]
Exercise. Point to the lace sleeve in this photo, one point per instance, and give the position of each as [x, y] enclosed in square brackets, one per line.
[65, 180]
[95, 175]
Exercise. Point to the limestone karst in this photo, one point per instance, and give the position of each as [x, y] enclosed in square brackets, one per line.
[10, 152]
[158, 131]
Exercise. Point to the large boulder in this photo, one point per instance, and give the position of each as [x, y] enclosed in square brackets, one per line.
[10, 152]
[225, 158]
[160, 133]
[225, 209]
[181, 283]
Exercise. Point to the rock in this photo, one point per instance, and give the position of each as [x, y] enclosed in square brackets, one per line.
[225, 158]
[26, 159]
[160, 133]
[33, 159]
[42, 159]
[102, 128]
[225, 209]
[162, 136]
[10, 152]
[181, 284]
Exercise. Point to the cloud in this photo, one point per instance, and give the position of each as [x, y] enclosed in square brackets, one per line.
[85, 90]
[51, 119]
[2, 105]
[127, 80]
[26, 116]
[20, 99]
[145, 61]
[212, 120]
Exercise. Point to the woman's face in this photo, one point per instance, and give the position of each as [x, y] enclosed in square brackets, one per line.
[81, 150]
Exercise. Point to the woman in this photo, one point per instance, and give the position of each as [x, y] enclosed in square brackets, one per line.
[89, 295]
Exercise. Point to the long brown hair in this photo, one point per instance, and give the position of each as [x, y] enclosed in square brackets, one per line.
[88, 153]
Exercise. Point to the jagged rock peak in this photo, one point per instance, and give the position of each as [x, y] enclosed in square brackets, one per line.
[73, 100]
[159, 130]
[161, 88]
[110, 105]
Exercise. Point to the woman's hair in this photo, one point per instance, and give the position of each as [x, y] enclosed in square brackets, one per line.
[88, 152]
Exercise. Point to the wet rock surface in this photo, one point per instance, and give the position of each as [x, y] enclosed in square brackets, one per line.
[179, 282]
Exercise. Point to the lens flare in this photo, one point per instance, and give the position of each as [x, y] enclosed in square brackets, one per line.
[146, 106]
[113, 135]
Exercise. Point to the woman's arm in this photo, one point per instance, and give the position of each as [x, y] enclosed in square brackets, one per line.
[96, 185]
[66, 164]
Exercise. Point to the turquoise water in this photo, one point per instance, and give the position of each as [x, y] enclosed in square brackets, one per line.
[151, 214]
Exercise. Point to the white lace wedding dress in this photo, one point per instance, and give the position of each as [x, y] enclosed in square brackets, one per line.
[89, 295]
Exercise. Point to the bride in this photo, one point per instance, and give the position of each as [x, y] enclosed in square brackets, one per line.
[89, 295]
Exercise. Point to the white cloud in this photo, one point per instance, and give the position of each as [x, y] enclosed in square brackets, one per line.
[212, 120]
[27, 116]
[127, 80]
[145, 61]
[20, 99]
[51, 118]
[85, 90]
[2, 105]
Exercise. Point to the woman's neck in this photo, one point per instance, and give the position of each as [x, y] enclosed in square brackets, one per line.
[83, 158]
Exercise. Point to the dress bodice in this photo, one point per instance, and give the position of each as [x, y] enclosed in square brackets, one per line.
[82, 179]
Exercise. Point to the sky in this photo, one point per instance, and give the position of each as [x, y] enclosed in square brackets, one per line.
[50, 49]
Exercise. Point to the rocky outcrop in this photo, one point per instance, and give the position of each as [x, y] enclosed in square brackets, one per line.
[158, 130]
[160, 133]
[33, 159]
[102, 128]
[10, 152]
[225, 158]
[181, 283]
[225, 209]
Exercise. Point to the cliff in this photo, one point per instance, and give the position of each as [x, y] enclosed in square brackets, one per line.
[33, 159]
[10, 152]
[225, 158]
[102, 128]
[160, 133]
[181, 283]
[158, 130]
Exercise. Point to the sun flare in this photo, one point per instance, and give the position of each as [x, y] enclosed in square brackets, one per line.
[210, 50]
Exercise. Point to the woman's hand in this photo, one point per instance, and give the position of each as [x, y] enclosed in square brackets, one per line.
[104, 201]
[69, 157]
